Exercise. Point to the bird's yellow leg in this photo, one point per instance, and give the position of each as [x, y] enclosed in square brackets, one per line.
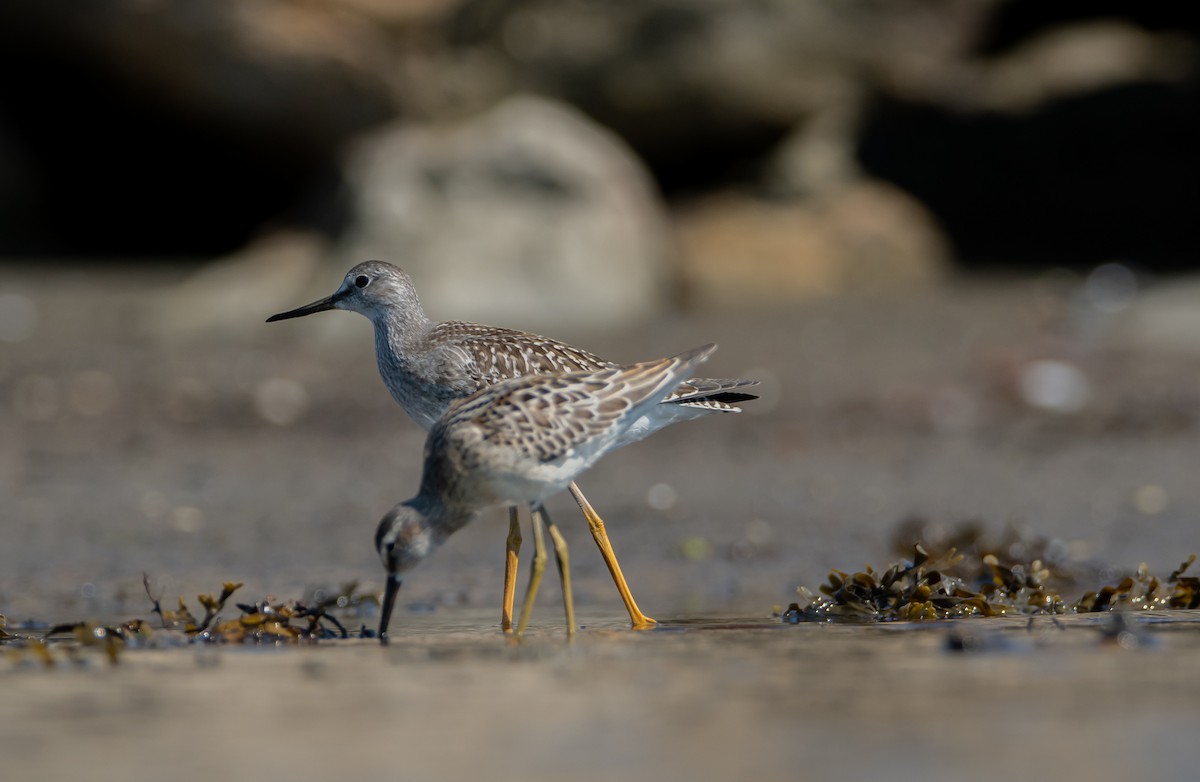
[512, 547]
[564, 569]
[596, 524]
[535, 573]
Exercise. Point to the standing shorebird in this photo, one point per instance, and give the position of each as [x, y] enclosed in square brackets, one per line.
[426, 365]
[520, 441]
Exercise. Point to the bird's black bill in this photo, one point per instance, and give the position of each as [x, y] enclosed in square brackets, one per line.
[327, 303]
[389, 602]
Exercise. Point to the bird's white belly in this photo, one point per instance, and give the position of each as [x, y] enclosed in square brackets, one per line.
[533, 483]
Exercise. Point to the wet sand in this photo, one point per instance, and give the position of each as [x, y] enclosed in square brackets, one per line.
[266, 454]
[719, 701]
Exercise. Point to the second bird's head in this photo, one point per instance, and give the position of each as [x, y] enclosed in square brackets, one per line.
[403, 538]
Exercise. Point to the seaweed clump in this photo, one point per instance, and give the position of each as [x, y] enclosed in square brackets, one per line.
[926, 588]
[952, 585]
[267, 621]
[264, 622]
[1143, 591]
[73, 641]
[1059, 563]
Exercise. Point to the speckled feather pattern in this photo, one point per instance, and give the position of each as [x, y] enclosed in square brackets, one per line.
[524, 439]
[494, 354]
[426, 365]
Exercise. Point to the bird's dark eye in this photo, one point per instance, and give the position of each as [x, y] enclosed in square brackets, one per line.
[362, 280]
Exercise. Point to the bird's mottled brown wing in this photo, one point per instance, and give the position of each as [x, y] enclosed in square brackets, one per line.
[478, 356]
[488, 354]
[547, 417]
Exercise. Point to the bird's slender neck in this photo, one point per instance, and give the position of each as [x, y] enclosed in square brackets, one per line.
[442, 514]
[401, 332]
[401, 336]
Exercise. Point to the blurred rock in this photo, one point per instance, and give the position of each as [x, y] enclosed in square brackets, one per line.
[1075, 59]
[1054, 385]
[701, 90]
[819, 155]
[528, 215]
[865, 236]
[1165, 317]
[235, 294]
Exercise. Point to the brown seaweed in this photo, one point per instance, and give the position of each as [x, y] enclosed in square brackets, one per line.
[265, 622]
[982, 580]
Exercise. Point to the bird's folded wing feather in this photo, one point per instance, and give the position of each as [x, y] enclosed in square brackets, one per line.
[547, 417]
[488, 354]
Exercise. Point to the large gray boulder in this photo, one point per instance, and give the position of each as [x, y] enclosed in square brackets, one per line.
[527, 215]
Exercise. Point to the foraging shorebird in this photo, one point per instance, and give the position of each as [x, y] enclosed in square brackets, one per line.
[516, 442]
[427, 365]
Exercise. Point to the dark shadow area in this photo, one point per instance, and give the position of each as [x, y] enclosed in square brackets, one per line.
[1103, 176]
[107, 172]
[1015, 20]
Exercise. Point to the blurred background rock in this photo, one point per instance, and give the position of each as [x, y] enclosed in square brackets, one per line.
[650, 152]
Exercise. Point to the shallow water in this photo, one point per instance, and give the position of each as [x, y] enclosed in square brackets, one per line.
[720, 697]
